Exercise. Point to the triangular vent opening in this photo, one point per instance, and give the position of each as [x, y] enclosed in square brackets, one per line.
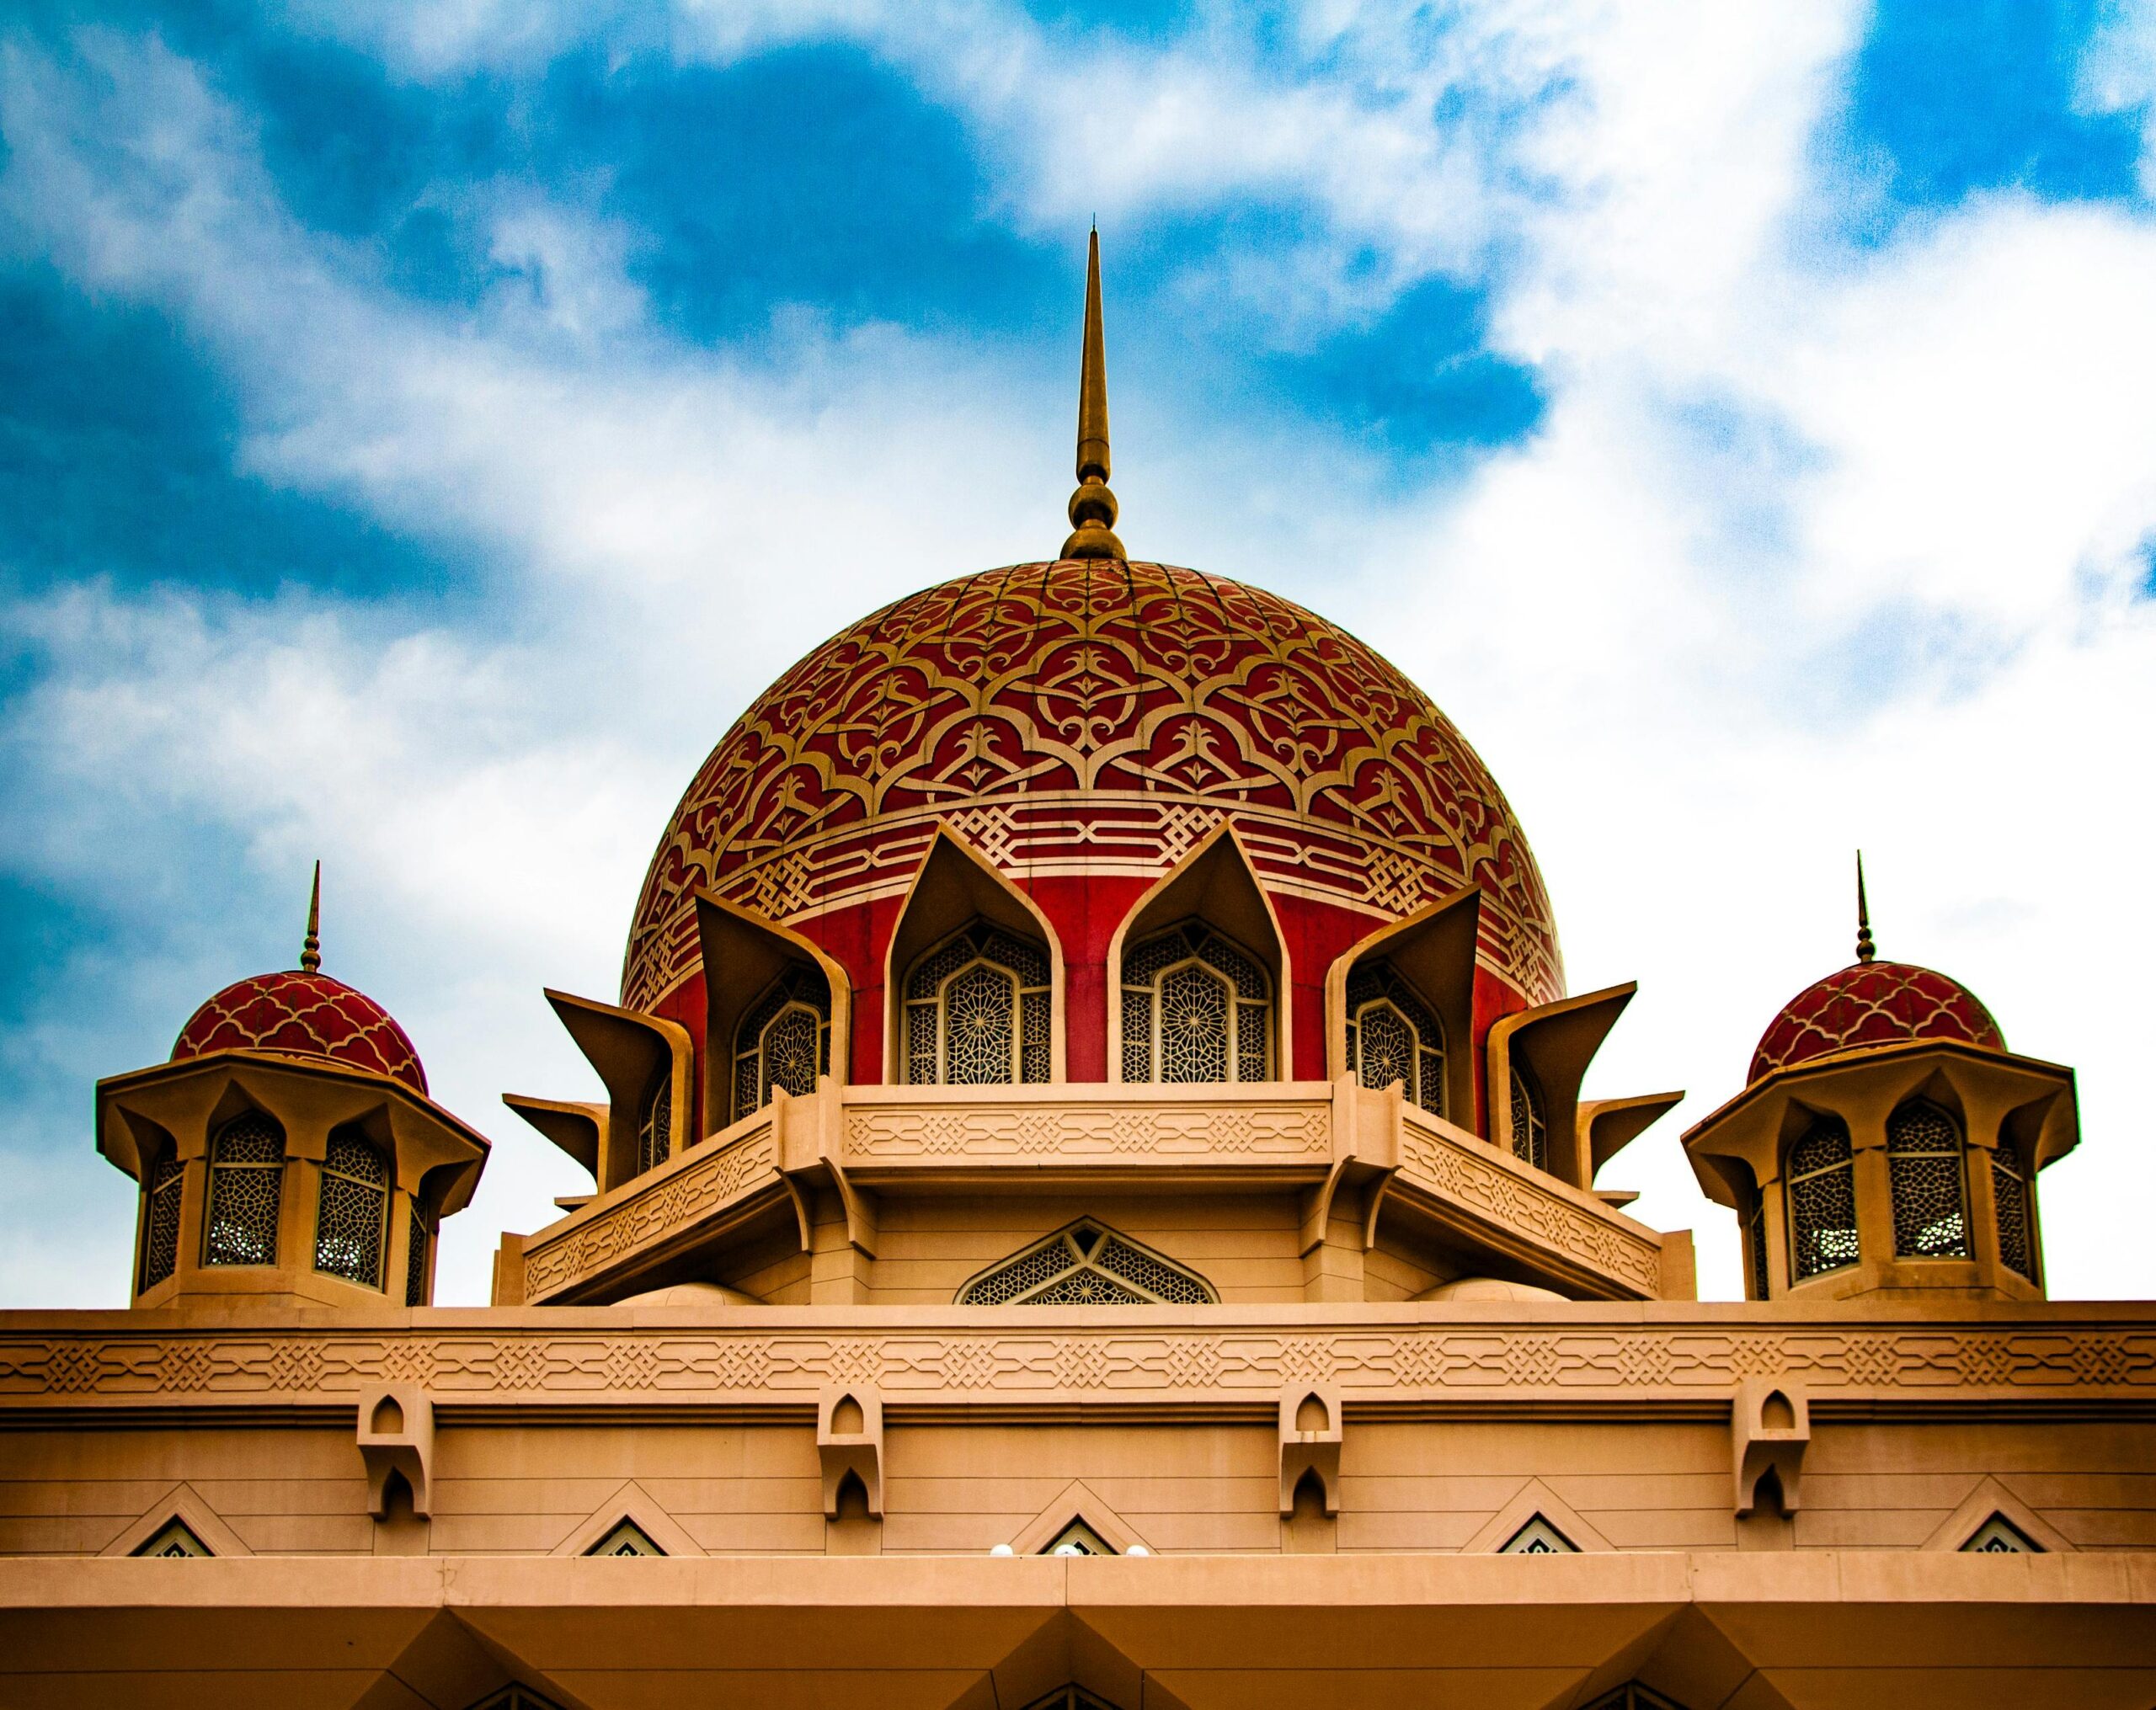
[1538, 1537]
[1999, 1537]
[175, 1537]
[627, 1538]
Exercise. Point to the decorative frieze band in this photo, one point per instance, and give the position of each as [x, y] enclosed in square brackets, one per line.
[1027, 1360]
[1225, 1129]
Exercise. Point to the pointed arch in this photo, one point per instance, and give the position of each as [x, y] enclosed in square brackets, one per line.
[749, 960]
[955, 886]
[1214, 884]
[1433, 951]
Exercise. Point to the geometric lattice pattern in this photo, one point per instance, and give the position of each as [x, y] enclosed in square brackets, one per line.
[784, 1039]
[247, 1188]
[1087, 1265]
[1530, 1128]
[655, 1122]
[1196, 1009]
[1873, 1003]
[161, 1220]
[514, 1698]
[977, 1011]
[1924, 1168]
[415, 1258]
[1538, 1537]
[1819, 1181]
[1755, 1244]
[625, 1539]
[175, 1538]
[1635, 1696]
[303, 1014]
[353, 1220]
[2010, 1192]
[1999, 1537]
[1393, 1036]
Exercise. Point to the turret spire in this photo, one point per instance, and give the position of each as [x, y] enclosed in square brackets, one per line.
[1092, 506]
[1865, 949]
[311, 949]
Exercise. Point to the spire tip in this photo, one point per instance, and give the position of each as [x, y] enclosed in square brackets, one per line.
[1865, 950]
[311, 946]
[1092, 506]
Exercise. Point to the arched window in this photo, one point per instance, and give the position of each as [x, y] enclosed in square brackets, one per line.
[2010, 1192]
[1821, 1200]
[655, 1121]
[415, 1257]
[1195, 1008]
[1086, 1264]
[1923, 1171]
[161, 1219]
[1393, 1035]
[353, 1215]
[247, 1191]
[977, 1011]
[1530, 1127]
[784, 1040]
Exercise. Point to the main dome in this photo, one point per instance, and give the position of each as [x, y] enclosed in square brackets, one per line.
[1092, 716]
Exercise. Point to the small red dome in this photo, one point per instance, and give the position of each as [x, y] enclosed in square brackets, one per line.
[303, 1014]
[1873, 1003]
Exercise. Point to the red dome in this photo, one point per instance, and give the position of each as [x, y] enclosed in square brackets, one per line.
[1873, 1003]
[1088, 721]
[303, 1014]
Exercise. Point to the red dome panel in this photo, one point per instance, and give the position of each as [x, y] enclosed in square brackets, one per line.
[1873, 1003]
[1092, 720]
[303, 1014]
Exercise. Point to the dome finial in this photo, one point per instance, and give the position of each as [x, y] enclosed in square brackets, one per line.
[1865, 948]
[1092, 506]
[311, 949]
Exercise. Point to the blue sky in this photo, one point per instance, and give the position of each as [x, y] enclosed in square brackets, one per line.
[424, 426]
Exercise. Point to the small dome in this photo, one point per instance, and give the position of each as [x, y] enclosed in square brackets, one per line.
[303, 1014]
[1873, 1003]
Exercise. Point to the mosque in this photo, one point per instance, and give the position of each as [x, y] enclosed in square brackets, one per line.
[1093, 1205]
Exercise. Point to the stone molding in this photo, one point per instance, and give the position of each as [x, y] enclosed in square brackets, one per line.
[1049, 1356]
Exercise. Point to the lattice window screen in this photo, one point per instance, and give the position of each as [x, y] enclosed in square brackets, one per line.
[1393, 1035]
[415, 1258]
[2010, 1192]
[784, 1040]
[1530, 1127]
[1821, 1200]
[978, 1011]
[161, 1220]
[1195, 1009]
[1087, 1265]
[1755, 1244]
[352, 1215]
[655, 1122]
[247, 1191]
[1923, 1170]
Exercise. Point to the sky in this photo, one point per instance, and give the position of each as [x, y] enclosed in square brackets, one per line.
[425, 425]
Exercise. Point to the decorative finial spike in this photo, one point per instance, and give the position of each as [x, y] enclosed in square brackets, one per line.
[1865, 948]
[1092, 506]
[311, 950]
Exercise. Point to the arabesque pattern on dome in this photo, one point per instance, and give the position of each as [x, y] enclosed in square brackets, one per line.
[1873, 1003]
[303, 1014]
[1089, 716]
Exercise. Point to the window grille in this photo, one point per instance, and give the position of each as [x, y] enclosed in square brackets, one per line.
[1069, 1699]
[1755, 1244]
[1195, 1009]
[1635, 1696]
[161, 1219]
[2010, 1192]
[977, 1011]
[353, 1213]
[1999, 1537]
[627, 1538]
[784, 1040]
[1821, 1188]
[1530, 1128]
[655, 1121]
[1538, 1537]
[1087, 1265]
[175, 1537]
[415, 1258]
[1393, 1035]
[514, 1698]
[247, 1191]
[1924, 1170]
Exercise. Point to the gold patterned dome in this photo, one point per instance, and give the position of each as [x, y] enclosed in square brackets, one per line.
[1086, 724]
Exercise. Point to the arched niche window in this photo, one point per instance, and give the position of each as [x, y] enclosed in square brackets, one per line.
[1530, 1125]
[1087, 1265]
[977, 1011]
[1196, 1007]
[784, 1040]
[353, 1217]
[2009, 1193]
[247, 1191]
[1393, 1035]
[161, 1219]
[1822, 1194]
[1924, 1173]
[655, 1122]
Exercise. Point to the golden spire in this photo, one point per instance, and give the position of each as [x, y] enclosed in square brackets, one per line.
[1092, 506]
[311, 950]
[1865, 948]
